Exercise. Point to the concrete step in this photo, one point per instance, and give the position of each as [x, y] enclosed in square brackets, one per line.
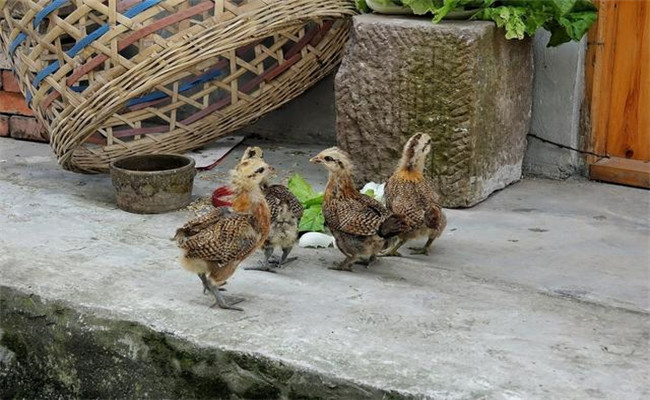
[539, 292]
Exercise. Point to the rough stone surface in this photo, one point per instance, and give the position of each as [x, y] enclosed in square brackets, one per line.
[461, 82]
[540, 292]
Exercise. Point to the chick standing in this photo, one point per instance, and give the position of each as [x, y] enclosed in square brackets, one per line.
[286, 212]
[215, 244]
[410, 193]
[359, 223]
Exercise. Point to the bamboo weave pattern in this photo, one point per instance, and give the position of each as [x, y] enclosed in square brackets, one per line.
[111, 78]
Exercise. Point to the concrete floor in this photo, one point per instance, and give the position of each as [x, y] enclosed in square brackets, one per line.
[542, 291]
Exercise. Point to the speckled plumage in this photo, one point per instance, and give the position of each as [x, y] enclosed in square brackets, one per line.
[286, 212]
[360, 224]
[221, 240]
[410, 193]
[418, 201]
[215, 244]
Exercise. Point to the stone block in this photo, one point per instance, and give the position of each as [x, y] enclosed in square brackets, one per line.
[27, 128]
[461, 82]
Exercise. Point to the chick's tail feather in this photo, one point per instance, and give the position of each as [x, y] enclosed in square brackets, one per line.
[180, 237]
[393, 226]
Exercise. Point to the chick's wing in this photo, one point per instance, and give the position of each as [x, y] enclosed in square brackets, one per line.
[231, 238]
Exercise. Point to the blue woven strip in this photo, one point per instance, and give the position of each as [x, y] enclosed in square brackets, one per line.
[85, 42]
[47, 10]
[17, 42]
[161, 95]
[137, 9]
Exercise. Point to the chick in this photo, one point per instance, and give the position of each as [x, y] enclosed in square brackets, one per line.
[214, 245]
[410, 193]
[286, 212]
[361, 225]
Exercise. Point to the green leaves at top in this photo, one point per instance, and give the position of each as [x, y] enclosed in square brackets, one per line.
[421, 7]
[565, 19]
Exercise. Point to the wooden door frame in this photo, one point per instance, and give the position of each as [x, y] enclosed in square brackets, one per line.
[598, 84]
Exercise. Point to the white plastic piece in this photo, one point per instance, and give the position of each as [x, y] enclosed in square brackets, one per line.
[377, 188]
[316, 240]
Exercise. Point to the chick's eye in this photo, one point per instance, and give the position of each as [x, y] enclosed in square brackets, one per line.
[260, 170]
[328, 158]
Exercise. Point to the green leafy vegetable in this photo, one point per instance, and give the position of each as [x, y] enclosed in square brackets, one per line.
[566, 20]
[301, 188]
[363, 6]
[312, 219]
[421, 7]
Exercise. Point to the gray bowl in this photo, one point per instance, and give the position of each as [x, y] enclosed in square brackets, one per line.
[154, 183]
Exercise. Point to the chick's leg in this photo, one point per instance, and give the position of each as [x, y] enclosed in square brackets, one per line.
[268, 252]
[345, 265]
[284, 260]
[367, 263]
[392, 252]
[423, 250]
[221, 301]
[206, 284]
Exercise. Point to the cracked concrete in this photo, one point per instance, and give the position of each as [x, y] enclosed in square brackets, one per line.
[539, 292]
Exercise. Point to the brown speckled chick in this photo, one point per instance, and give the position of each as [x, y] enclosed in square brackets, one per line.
[360, 224]
[410, 193]
[214, 245]
[286, 212]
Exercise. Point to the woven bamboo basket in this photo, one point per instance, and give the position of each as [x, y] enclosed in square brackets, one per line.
[111, 78]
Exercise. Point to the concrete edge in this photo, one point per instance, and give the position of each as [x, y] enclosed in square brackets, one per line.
[49, 349]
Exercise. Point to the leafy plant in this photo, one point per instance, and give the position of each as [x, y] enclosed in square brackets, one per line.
[565, 19]
[312, 219]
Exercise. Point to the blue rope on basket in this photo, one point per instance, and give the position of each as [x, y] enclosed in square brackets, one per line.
[85, 42]
[47, 10]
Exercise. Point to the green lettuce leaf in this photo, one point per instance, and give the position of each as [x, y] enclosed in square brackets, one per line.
[563, 7]
[317, 200]
[362, 6]
[577, 23]
[301, 188]
[565, 19]
[312, 219]
[421, 7]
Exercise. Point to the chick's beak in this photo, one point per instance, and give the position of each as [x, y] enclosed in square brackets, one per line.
[272, 170]
[316, 160]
